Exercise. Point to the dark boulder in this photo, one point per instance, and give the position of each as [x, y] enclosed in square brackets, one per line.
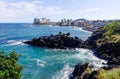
[109, 52]
[60, 40]
[91, 41]
[79, 71]
[82, 72]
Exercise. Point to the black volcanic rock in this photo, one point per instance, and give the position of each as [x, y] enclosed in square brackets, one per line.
[91, 41]
[60, 40]
[79, 71]
[110, 52]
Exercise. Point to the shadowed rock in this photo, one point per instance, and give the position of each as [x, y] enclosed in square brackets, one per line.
[110, 52]
[60, 40]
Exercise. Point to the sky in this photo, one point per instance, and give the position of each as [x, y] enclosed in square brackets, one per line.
[26, 10]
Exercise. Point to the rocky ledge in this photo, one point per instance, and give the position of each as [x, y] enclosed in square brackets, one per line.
[106, 42]
[60, 40]
[83, 71]
[109, 52]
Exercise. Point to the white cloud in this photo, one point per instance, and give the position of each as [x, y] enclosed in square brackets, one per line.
[23, 8]
[29, 9]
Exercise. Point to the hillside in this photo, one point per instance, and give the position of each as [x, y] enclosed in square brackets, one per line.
[111, 33]
[106, 42]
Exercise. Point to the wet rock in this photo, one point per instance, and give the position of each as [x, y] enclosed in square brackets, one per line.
[60, 40]
[93, 75]
[109, 52]
[91, 41]
[79, 71]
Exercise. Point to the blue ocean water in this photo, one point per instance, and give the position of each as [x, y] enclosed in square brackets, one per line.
[43, 63]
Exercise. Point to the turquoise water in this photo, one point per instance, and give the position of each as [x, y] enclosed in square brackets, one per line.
[42, 63]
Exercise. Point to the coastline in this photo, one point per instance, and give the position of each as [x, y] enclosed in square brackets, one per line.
[77, 56]
[86, 29]
[90, 43]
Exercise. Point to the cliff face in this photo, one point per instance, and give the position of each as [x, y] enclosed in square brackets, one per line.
[106, 42]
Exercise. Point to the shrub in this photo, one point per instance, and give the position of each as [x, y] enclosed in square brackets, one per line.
[9, 68]
[111, 34]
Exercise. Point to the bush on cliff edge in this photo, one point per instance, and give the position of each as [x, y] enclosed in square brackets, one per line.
[9, 68]
[111, 34]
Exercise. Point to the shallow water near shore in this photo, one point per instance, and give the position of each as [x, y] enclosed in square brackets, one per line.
[43, 63]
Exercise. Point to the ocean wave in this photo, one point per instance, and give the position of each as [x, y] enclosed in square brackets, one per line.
[80, 54]
[79, 28]
[88, 56]
[61, 50]
[39, 62]
[63, 73]
[14, 42]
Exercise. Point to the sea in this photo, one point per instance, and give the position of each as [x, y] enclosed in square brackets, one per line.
[45, 63]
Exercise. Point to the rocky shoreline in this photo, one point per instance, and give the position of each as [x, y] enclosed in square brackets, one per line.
[109, 51]
[61, 41]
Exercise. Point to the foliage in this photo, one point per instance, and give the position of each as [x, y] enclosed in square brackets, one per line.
[112, 33]
[109, 74]
[112, 29]
[9, 68]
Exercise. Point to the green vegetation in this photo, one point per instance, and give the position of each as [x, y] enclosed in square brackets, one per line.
[112, 33]
[112, 29]
[109, 74]
[9, 68]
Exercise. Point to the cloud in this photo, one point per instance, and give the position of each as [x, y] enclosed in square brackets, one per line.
[24, 8]
[27, 10]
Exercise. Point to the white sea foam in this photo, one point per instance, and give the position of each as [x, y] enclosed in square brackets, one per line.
[14, 42]
[88, 56]
[60, 50]
[79, 28]
[39, 62]
[63, 73]
[84, 55]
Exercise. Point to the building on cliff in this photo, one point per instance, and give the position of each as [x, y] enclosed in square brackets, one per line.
[41, 21]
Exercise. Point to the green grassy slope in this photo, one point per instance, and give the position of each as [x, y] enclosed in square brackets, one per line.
[109, 74]
[112, 33]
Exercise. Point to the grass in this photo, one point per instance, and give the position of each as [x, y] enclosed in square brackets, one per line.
[109, 74]
[111, 35]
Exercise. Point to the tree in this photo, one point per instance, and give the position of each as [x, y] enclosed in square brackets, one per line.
[9, 68]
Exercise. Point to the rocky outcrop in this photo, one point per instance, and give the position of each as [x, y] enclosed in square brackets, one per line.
[91, 41]
[60, 40]
[105, 48]
[82, 72]
[109, 52]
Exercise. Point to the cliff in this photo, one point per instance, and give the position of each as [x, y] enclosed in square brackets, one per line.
[106, 42]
